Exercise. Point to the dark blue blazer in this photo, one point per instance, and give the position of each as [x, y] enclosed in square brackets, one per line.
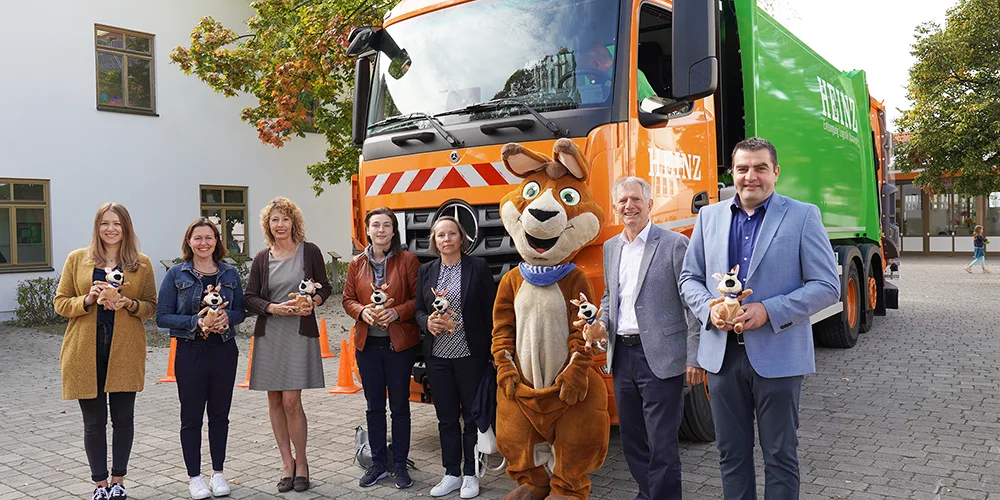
[479, 292]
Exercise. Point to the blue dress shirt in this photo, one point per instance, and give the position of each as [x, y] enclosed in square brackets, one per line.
[743, 231]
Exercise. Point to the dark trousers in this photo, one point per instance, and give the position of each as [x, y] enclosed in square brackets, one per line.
[738, 395]
[453, 386]
[95, 432]
[206, 373]
[649, 416]
[384, 369]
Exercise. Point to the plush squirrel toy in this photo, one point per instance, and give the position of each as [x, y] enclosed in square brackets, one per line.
[552, 405]
[213, 304]
[732, 296]
[380, 299]
[307, 288]
[588, 314]
[442, 309]
[111, 294]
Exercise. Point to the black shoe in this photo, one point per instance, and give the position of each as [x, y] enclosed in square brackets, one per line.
[117, 492]
[373, 475]
[100, 493]
[402, 477]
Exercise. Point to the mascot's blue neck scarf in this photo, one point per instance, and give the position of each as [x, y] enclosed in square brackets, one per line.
[544, 275]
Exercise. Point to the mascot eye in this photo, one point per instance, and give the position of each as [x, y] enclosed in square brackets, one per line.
[531, 190]
[569, 196]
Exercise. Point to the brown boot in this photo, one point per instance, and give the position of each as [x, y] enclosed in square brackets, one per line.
[523, 492]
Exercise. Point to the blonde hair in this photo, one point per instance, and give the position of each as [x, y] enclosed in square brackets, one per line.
[128, 252]
[978, 230]
[286, 207]
[464, 247]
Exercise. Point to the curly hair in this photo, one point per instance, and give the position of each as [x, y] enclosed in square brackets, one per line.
[287, 207]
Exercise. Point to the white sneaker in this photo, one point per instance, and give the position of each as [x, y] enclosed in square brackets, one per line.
[470, 486]
[447, 485]
[199, 490]
[220, 487]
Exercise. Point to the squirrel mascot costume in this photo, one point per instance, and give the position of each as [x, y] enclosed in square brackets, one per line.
[552, 406]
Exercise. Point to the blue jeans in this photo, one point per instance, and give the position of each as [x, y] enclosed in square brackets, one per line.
[384, 369]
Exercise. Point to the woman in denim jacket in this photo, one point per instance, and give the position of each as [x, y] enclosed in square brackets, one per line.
[205, 363]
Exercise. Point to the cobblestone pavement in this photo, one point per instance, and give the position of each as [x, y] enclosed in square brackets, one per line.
[911, 412]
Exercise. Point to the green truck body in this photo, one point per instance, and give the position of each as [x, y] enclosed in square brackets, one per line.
[818, 119]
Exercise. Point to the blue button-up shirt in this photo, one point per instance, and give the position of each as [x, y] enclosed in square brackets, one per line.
[743, 231]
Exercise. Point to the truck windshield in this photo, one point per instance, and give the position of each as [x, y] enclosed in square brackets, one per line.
[548, 54]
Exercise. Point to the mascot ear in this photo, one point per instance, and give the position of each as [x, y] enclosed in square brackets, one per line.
[718, 276]
[522, 161]
[566, 153]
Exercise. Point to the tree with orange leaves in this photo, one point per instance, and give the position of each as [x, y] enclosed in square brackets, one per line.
[293, 61]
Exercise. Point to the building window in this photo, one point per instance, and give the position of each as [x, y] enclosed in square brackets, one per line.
[124, 70]
[229, 204]
[964, 216]
[913, 214]
[992, 223]
[942, 221]
[24, 224]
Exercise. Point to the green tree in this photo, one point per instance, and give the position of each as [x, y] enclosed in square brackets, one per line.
[955, 90]
[293, 60]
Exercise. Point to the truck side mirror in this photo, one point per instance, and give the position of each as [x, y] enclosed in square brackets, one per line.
[695, 60]
[359, 41]
[362, 93]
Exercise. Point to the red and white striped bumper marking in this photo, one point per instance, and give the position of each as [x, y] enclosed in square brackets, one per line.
[431, 179]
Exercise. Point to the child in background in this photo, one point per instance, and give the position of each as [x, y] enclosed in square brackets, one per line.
[979, 250]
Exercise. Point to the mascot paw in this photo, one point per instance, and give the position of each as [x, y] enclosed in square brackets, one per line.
[738, 328]
[507, 385]
[571, 395]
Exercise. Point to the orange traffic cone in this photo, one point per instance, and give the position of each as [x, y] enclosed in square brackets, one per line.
[324, 341]
[246, 383]
[169, 377]
[354, 361]
[345, 381]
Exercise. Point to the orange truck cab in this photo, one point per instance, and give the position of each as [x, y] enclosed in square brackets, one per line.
[442, 85]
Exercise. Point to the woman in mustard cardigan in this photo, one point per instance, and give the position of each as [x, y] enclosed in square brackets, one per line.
[103, 356]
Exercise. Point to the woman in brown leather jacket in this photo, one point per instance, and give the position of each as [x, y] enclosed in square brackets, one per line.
[387, 340]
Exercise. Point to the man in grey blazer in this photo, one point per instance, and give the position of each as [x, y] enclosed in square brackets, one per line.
[785, 258]
[647, 352]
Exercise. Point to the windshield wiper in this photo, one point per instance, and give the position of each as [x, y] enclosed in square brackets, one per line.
[420, 116]
[495, 104]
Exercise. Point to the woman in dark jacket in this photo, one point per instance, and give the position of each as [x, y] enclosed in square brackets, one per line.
[457, 351]
[205, 363]
[286, 355]
[386, 341]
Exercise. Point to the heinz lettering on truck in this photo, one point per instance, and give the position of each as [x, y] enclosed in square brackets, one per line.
[656, 89]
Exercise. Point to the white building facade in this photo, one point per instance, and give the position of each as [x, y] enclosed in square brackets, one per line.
[69, 145]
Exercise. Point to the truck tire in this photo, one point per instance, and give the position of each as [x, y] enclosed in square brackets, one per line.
[870, 292]
[697, 424]
[842, 330]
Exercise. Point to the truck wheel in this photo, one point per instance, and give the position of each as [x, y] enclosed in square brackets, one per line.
[697, 424]
[868, 304]
[842, 329]
[870, 284]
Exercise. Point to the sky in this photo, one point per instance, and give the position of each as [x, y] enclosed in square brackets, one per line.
[873, 35]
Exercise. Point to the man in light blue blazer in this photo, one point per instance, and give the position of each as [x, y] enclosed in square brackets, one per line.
[786, 259]
[647, 323]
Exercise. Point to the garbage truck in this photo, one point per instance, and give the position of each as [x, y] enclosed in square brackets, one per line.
[656, 89]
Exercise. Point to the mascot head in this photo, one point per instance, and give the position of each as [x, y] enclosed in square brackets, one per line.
[552, 214]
